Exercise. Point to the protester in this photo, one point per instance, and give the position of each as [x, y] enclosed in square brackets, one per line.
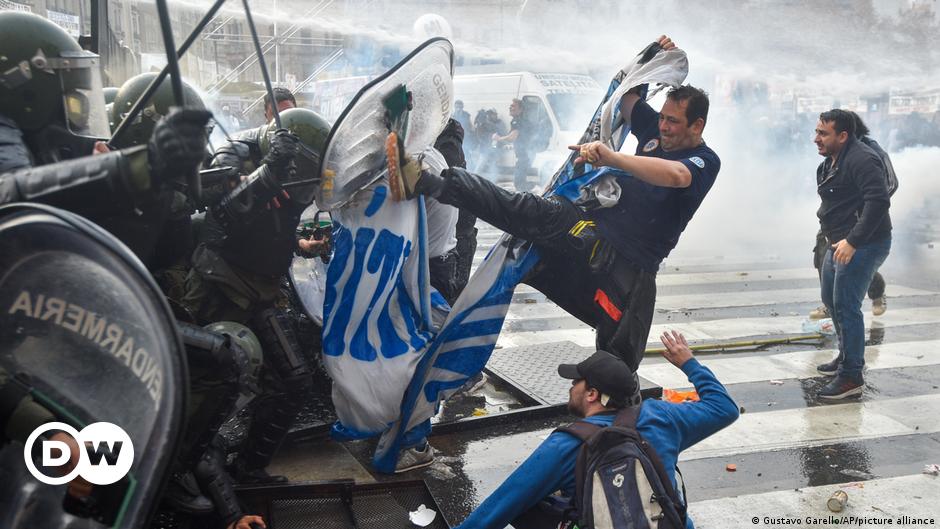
[601, 387]
[854, 219]
[600, 263]
[876, 290]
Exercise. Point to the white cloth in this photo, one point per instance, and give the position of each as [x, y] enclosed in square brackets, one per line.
[442, 227]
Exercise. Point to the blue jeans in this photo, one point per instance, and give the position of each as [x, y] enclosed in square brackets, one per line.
[843, 289]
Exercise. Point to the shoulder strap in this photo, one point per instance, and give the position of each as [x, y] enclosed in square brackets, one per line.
[626, 417]
[583, 430]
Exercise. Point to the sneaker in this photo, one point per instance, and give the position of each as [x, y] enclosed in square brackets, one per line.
[840, 388]
[403, 171]
[414, 458]
[829, 368]
[879, 306]
[819, 313]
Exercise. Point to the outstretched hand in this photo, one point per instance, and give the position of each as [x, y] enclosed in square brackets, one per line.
[677, 350]
[594, 153]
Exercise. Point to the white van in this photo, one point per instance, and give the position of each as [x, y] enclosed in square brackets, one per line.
[562, 105]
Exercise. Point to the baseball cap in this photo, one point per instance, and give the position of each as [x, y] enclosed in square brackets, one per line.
[606, 373]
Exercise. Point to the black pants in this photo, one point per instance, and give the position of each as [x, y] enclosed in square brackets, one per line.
[877, 287]
[443, 272]
[598, 287]
[466, 247]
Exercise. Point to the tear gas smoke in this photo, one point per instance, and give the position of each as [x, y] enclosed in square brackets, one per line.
[757, 59]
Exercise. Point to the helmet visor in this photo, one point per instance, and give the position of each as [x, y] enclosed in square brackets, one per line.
[82, 94]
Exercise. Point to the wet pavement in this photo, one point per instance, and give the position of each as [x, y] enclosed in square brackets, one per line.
[786, 441]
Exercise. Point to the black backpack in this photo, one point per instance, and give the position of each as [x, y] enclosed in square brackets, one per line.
[620, 481]
[891, 178]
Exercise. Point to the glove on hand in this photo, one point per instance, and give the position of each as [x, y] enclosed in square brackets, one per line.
[285, 145]
[178, 143]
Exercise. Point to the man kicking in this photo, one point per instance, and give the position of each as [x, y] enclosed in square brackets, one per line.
[600, 263]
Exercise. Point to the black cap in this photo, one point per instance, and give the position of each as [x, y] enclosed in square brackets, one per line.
[606, 373]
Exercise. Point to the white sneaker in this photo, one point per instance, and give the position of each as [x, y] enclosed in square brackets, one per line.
[413, 458]
[879, 306]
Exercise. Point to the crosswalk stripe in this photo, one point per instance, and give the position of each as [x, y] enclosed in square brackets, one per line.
[799, 364]
[877, 498]
[725, 329]
[773, 430]
[751, 298]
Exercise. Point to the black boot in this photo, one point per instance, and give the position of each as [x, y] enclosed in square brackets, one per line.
[183, 495]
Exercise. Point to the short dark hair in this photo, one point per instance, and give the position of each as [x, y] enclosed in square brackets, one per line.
[860, 129]
[698, 102]
[280, 94]
[842, 120]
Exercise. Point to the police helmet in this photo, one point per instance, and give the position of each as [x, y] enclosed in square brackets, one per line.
[46, 77]
[158, 106]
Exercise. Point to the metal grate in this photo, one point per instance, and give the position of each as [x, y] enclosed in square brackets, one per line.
[341, 506]
[534, 368]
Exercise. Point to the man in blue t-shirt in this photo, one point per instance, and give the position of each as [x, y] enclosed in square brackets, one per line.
[599, 258]
[601, 386]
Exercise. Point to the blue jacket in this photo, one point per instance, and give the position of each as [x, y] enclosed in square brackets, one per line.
[669, 428]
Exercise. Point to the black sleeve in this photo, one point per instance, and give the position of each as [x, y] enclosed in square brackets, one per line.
[13, 151]
[868, 173]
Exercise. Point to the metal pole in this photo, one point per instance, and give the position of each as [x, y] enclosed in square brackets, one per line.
[722, 346]
[264, 66]
[172, 61]
[148, 93]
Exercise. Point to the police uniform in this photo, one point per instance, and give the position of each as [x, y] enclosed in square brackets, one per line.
[237, 276]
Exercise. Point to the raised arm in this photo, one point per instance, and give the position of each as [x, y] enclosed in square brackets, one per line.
[714, 410]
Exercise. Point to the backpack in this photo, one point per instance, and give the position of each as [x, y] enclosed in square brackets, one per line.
[620, 481]
[891, 178]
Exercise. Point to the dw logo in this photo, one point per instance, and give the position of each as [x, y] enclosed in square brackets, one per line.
[105, 453]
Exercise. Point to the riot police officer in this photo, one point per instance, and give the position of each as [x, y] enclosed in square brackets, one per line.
[52, 114]
[249, 241]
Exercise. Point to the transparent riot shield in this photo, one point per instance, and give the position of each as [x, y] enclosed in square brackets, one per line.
[355, 156]
[86, 333]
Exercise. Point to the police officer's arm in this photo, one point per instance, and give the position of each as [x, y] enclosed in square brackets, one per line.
[175, 148]
[73, 183]
[694, 421]
[511, 137]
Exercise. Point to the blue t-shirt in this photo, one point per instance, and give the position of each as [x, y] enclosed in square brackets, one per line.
[669, 428]
[645, 225]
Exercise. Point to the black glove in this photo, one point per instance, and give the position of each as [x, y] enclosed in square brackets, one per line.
[284, 147]
[178, 143]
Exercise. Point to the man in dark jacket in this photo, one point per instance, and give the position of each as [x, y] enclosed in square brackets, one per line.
[854, 219]
[876, 291]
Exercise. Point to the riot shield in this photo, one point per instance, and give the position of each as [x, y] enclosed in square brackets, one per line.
[355, 154]
[86, 332]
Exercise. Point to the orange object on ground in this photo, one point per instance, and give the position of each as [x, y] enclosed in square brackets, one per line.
[731, 467]
[671, 395]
